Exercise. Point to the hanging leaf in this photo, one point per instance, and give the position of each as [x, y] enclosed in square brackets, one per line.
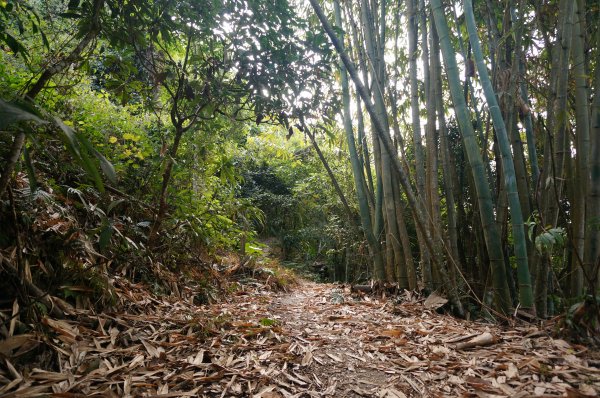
[114, 204]
[45, 40]
[81, 148]
[107, 167]
[13, 112]
[550, 239]
[68, 138]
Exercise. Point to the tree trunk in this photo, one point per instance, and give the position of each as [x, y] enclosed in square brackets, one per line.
[510, 182]
[582, 145]
[555, 162]
[484, 197]
[411, 273]
[432, 183]
[365, 217]
[592, 203]
[524, 105]
[166, 178]
[447, 166]
[373, 51]
[426, 254]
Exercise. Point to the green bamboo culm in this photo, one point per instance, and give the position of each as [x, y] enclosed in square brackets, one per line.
[357, 172]
[508, 168]
[592, 203]
[484, 195]
[415, 203]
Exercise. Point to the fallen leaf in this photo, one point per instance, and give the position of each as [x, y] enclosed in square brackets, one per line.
[435, 301]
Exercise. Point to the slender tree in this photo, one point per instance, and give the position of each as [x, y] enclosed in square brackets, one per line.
[556, 146]
[484, 197]
[582, 145]
[592, 204]
[357, 170]
[520, 243]
[449, 172]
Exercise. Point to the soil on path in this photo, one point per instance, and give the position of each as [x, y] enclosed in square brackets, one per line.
[317, 340]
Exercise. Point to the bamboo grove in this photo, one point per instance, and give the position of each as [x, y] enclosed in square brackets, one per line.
[485, 131]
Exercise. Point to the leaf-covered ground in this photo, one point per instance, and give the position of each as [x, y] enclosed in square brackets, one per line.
[317, 340]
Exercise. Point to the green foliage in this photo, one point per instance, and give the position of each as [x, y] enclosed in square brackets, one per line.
[549, 239]
[286, 180]
[253, 248]
[78, 145]
[17, 18]
[268, 322]
[80, 148]
[154, 61]
[228, 78]
[122, 130]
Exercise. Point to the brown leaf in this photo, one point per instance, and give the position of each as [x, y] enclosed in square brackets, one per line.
[335, 357]
[435, 301]
[511, 372]
[307, 359]
[62, 327]
[482, 340]
[392, 333]
[390, 393]
[15, 342]
[14, 318]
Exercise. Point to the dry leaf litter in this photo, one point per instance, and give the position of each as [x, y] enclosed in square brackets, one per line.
[319, 340]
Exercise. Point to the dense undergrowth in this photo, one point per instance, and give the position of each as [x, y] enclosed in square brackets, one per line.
[58, 243]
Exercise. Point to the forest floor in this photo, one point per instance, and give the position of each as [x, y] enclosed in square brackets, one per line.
[316, 340]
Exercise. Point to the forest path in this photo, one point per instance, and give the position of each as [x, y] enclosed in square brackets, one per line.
[317, 340]
[357, 346]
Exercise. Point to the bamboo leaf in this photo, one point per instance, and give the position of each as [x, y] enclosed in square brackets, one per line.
[80, 148]
[114, 204]
[13, 112]
[106, 166]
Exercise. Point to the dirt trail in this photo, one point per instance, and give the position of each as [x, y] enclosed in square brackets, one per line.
[364, 347]
[318, 340]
